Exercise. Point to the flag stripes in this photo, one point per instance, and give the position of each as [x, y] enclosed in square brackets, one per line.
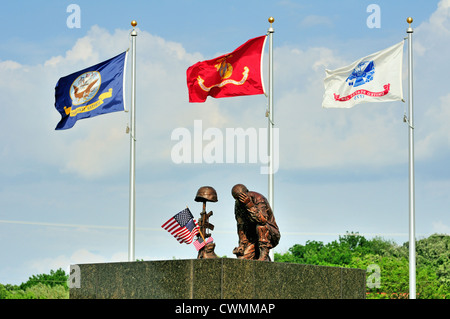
[199, 243]
[182, 226]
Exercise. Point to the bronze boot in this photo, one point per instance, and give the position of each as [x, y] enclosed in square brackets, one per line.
[264, 249]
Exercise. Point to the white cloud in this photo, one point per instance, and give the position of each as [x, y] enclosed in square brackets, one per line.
[433, 31]
[80, 256]
[369, 134]
[99, 146]
[9, 65]
[431, 92]
[315, 20]
[314, 137]
[436, 133]
[440, 228]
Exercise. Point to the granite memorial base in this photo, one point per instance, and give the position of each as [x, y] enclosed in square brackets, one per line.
[220, 278]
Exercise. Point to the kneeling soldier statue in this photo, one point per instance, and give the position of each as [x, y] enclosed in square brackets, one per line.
[257, 230]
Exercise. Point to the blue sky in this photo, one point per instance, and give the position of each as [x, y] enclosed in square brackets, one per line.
[64, 194]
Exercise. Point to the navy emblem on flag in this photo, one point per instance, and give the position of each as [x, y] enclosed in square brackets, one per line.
[96, 90]
[85, 87]
[362, 74]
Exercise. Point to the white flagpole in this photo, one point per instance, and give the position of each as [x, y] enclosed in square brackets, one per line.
[412, 237]
[270, 120]
[132, 224]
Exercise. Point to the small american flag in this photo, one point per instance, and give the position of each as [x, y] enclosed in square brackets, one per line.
[199, 243]
[182, 226]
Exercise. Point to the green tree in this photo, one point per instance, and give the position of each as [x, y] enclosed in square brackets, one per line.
[3, 292]
[43, 291]
[355, 243]
[434, 251]
[42, 286]
[55, 278]
[383, 247]
[392, 260]
[335, 253]
[394, 278]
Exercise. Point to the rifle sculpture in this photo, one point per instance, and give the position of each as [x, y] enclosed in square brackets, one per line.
[206, 194]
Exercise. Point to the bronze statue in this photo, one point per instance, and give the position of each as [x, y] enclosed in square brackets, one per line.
[257, 230]
[206, 194]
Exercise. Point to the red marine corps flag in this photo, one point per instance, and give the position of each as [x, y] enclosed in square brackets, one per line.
[233, 74]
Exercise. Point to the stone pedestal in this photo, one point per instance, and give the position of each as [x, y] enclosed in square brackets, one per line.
[220, 278]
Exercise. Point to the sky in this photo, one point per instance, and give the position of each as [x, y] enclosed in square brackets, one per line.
[64, 195]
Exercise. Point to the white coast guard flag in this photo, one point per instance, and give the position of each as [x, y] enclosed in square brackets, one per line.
[374, 78]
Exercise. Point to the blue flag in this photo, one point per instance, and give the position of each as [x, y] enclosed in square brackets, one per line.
[96, 90]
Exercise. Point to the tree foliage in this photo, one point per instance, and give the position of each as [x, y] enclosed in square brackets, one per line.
[42, 286]
[355, 251]
[434, 252]
[351, 250]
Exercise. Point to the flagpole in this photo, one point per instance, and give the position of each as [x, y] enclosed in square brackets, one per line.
[270, 120]
[132, 217]
[412, 237]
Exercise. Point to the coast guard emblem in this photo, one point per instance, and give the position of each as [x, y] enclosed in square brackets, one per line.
[85, 87]
[362, 74]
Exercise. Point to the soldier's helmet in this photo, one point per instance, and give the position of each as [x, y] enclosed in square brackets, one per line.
[206, 194]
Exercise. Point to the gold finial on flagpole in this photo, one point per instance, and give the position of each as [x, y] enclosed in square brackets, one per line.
[133, 23]
[409, 20]
[271, 20]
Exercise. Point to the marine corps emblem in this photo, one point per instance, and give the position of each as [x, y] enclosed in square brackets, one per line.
[224, 68]
[362, 74]
[234, 74]
[85, 87]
